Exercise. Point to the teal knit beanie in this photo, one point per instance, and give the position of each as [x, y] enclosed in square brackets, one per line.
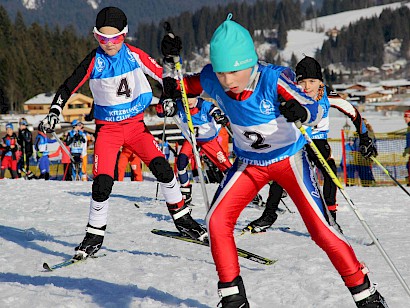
[232, 48]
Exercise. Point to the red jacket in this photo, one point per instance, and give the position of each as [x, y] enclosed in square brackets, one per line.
[65, 159]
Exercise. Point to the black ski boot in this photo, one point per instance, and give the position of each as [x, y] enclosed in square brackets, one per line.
[262, 223]
[233, 294]
[187, 225]
[91, 243]
[258, 200]
[366, 295]
[186, 192]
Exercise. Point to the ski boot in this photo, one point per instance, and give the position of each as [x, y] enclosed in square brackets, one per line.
[366, 295]
[258, 200]
[233, 294]
[262, 223]
[186, 224]
[91, 243]
[186, 192]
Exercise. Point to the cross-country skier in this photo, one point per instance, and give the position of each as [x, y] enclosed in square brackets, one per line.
[121, 93]
[309, 77]
[268, 147]
[207, 120]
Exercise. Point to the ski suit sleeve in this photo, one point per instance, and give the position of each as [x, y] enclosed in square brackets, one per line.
[69, 139]
[56, 153]
[148, 65]
[288, 90]
[347, 109]
[80, 75]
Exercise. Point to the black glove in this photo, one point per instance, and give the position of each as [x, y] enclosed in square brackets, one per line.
[50, 121]
[89, 117]
[170, 88]
[219, 117]
[293, 111]
[171, 45]
[366, 146]
[170, 107]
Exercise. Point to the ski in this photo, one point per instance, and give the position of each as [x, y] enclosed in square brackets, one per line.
[249, 230]
[241, 252]
[67, 262]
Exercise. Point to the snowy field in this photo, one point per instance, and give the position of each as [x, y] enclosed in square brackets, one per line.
[43, 221]
[307, 42]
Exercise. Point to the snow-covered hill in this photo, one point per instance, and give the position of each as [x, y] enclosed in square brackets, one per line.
[43, 221]
[306, 41]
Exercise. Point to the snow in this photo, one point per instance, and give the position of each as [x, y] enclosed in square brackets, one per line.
[306, 42]
[42, 221]
[32, 4]
[94, 3]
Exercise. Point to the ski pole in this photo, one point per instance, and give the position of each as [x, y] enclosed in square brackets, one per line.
[229, 131]
[389, 174]
[352, 206]
[283, 202]
[178, 68]
[62, 146]
[162, 147]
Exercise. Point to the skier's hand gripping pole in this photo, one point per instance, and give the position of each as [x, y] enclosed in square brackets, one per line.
[352, 206]
[178, 68]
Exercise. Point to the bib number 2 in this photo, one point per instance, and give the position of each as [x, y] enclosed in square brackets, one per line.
[257, 139]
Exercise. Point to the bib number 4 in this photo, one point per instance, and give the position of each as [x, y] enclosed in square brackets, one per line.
[123, 88]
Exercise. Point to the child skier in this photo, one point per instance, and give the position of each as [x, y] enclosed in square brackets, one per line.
[41, 146]
[25, 140]
[65, 160]
[76, 140]
[207, 121]
[309, 77]
[121, 93]
[268, 147]
[9, 146]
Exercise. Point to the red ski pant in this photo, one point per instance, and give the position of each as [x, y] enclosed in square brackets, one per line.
[294, 174]
[126, 157]
[212, 149]
[111, 136]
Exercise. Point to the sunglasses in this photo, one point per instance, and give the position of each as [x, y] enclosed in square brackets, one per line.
[113, 38]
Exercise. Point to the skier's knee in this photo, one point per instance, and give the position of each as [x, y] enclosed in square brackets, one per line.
[102, 187]
[161, 169]
[182, 161]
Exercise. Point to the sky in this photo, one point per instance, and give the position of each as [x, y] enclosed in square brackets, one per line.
[42, 221]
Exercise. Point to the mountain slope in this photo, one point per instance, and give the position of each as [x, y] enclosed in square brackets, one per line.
[82, 13]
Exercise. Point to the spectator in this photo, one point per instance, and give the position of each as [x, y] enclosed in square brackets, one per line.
[84, 156]
[350, 161]
[65, 160]
[407, 148]
[127, 156]
[364, 165]
[25, 140]
[75, 140]
[9, 156]
[41, 146]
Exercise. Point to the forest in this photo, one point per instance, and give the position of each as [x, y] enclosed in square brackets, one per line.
[36, 59]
